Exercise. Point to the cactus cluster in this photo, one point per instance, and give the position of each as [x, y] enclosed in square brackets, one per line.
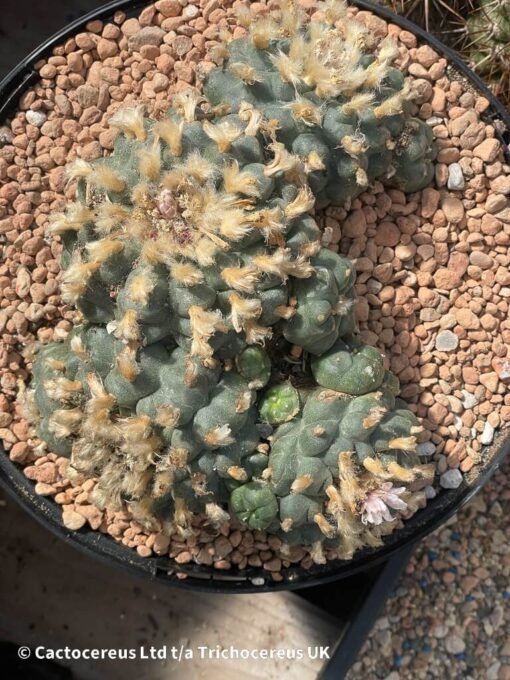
[194, 260]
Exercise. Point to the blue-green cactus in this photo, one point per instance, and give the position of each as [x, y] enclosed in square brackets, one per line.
[194, 260]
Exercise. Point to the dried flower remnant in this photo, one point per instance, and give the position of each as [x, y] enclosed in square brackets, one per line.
[376, 506]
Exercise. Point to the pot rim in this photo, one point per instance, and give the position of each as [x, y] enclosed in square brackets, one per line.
[254, 580]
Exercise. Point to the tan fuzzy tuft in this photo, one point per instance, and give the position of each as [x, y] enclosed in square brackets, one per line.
[75, 280]
[388, 50]
[283, 161]
[375, 415]
[186, 102]
[127, 365]
[314, 162]
[361, 177]
[65, 422]
[263, 31]
[333, 10]
[350, 488]
[171, 133]
[130, 122]
[244, 401]
[140, 288]
[284, 312]
[215, 513]
[401, 473]
[375, 467]
[357, 103]
[245, 72]
[78, 348]
[237, 473]
[305, 111]
[250, 115]
[303, 203]
[289, 68]
[301, 484]
[243, 309]
[78, 169]
[105, 177]
[219, 436]
[403, 443]
[186, 274]
[243, 279]
[327, 529]
[149, 162]
[354, 145]
[291, 18]
[63, 389]
[317, 553]
[237, 182]
[243, 16]
[224, 134]
[204, 324]
[195, 165]
[168, 416]
[126, 328]
[375, 74]
[101, 251]
[394, 105]
[270, 221]
[111, 216]
[256, 334]
[55, 364]
[234, 224]
[287, 524]
[76, 216]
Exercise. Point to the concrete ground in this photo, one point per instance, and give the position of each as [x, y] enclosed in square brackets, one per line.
[53, 596]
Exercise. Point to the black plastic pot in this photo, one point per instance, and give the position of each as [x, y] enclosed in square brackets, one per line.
[202, 577]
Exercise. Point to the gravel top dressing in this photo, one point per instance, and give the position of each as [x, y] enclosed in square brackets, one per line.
[432, 288]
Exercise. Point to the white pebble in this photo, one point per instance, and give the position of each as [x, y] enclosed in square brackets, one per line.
[426, 449]
[434, 120]
[456, 180]
[454, 644]
[430, 492]
[457, 423]
[469, 399]
[446, 341]
[451, 479]
[190, 12]
[257, 581]
[487, 435]
[36, 118]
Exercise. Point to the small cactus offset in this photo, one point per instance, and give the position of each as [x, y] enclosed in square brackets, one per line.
[196, 265]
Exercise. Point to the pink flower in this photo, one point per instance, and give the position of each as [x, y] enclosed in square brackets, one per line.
[377, 504]
[167, 205]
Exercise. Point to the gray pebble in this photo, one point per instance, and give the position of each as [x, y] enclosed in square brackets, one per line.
[446, 341]
[487, 435]
[36, 118]
[430, 492]
[451, 479]
[456, 180]
[374, 286]
[426, 449]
